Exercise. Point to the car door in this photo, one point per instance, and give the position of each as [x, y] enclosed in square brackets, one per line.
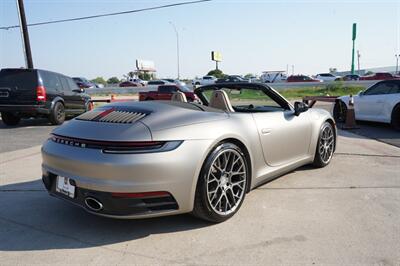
[77, 98]
[284, 137]
[370, 104]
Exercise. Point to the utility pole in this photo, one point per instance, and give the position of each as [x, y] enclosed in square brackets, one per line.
[177, 46]
[352, 53]
[24, 33]
[358, 61]
[397, 63]
[292, 69]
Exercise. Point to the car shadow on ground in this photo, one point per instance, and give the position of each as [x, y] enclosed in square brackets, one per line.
[29, 122]
[378, 131]
[30, 219]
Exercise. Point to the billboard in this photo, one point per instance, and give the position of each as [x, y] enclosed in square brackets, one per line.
[216, 56]
[145, 65]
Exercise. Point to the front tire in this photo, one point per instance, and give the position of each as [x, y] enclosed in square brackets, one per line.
[326, 146]
[10, 119]
[222, 184]
[395, 122]
[57, 115]
[339, 112]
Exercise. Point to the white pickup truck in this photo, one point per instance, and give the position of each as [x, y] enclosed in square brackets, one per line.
[206, 80]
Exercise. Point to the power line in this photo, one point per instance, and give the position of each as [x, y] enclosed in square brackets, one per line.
[106, 15]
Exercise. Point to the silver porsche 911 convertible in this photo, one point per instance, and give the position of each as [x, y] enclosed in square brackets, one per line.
[156, 158]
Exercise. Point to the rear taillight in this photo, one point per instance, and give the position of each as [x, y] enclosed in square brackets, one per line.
[41, 94]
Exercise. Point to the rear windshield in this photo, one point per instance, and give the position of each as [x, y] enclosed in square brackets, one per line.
[21, 79]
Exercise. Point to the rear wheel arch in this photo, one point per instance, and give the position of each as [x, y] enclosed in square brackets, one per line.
[55, 100]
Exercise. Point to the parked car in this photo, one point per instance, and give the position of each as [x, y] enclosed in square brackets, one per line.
[326, 77]
[39, 93]
[234, 78]
[349, 77]
[176, 81]
[273, 76]
[130, 84]
[158, 82]
[164, 92]
[301, 78]
[84, 83]
[378, 103]
[139, 81]
[159, 158]
[379, 76]
[206, 80]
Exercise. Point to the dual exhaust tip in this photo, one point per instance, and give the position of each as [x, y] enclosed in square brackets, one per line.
[93, 204]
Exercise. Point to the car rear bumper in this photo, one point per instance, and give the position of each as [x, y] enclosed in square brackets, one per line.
[22, 108]
[97, 174]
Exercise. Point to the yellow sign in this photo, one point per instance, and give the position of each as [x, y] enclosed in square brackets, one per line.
[216, 56]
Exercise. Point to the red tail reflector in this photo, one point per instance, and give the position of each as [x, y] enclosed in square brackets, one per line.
[140, 194]
[41, 94]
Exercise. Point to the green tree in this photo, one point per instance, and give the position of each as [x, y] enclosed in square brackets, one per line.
[146, 76]
[216, 73]
[113, 80]
[99, 80]
[249, 75]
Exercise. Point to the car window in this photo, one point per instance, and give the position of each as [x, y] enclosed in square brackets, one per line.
[51, 81]
[72, 84]
[167, 89]
[19, 79]
[395, 88]
[155, 82]
[65, 84]
[378, 89]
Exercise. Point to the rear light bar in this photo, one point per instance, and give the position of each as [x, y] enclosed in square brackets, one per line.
[152, 194]
[41, 94]
[118, 147]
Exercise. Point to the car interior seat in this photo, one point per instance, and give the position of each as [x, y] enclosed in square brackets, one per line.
[179, 97]
[220, 100]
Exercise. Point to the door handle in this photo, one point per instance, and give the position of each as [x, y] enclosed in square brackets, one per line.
[266, 131]
[379, 101]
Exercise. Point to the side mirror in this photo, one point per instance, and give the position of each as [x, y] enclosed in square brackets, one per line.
[300, 107]
[80, 90]
[361, 93]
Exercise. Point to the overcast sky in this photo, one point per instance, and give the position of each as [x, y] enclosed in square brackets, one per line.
[253, 36]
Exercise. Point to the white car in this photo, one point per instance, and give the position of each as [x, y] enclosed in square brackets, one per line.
[378, 103]
[206, 80]
[327, 77]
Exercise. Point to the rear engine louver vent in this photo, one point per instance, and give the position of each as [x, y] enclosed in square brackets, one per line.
[112, 116]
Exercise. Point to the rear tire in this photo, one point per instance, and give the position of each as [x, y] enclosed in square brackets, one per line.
[149, 99]
[395, 122]
[325, 146]
[57, 115]
[222, 183]
[10, 119]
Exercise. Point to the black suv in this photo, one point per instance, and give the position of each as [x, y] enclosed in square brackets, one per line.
[39, 93]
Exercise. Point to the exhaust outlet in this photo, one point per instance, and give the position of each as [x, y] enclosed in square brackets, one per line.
[93, 204]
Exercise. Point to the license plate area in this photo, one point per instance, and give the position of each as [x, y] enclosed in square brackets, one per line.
[65, 186]
[4, 94]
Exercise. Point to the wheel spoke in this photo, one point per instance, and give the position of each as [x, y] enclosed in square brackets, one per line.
[226, 181]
